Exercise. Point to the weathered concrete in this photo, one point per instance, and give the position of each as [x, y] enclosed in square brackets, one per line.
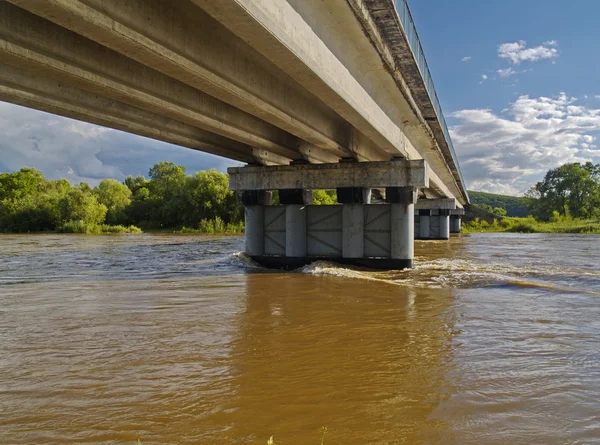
[399, 173]
[295, 230]
[328, 57]
[315, 84]
[353, 233]
[402, 222]
[375, 235]
[436, 204]
[444, 224]
[424, 224]
[254, 228]
[289, 79]
[455, 223]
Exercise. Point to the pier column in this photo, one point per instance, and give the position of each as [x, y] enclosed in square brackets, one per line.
[455, 223]
[402, 236]
[353, 220]
[444, 216]
[424, 224]
[295, 201]
[254, 220]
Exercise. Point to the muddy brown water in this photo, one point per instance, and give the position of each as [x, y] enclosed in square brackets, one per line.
[491, 339]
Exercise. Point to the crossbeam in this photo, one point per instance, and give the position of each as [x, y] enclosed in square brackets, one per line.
[396, 173]
[436, 204]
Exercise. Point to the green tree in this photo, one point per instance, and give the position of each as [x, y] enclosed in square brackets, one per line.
[206, 195]
[78, 205]
[499, 211]
[166, 178]
[324, 197]
[115, 196]
[571, 189]
[135, 183]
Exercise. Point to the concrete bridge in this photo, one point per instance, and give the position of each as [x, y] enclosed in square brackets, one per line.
[311, 94]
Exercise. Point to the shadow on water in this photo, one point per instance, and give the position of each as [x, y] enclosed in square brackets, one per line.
[369, 360]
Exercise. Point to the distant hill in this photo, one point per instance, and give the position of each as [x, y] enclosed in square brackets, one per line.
[514, 205]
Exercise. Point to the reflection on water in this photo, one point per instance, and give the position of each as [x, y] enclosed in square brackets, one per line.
[491, 339]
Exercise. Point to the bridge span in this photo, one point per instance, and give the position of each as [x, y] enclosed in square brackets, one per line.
[311, 94]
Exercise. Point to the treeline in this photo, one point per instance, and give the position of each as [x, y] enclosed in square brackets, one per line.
[571, 191]
[510, 205]
[171, 199]
[168, 199]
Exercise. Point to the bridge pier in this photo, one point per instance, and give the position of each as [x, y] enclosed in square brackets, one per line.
[433, 220]
[355, 231]
[456, 220]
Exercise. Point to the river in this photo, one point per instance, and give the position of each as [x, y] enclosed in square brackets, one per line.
[491, 339]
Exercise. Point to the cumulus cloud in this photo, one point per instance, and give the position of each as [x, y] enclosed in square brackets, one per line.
[517, 52]
[508, 153]
[466, 58]
[78, 151]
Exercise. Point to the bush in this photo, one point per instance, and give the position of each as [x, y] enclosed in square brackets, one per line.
[216, 226]
[80, 226]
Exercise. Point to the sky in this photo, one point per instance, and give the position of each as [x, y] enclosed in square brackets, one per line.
[518, 81]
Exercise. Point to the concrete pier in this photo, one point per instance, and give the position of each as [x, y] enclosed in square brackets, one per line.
[456, 220]
[455, 223]
[402, 201]
[424, 224]
[433, 220]
[355, 231]
[295, 231]
[254, 217]
[444, 222]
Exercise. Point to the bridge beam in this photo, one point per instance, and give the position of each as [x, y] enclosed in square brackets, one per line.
[50, 50]
[397, 173]
[158, 34]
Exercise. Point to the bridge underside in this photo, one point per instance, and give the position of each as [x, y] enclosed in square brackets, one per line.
[264, 82]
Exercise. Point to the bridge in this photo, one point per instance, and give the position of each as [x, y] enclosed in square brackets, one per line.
[310, 94]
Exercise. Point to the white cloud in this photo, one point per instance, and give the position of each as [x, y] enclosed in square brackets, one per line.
[508, 154]
[484, 76]
[517, 52]
[78, 151]
[597, 96]
[507, 72]
[466, 58]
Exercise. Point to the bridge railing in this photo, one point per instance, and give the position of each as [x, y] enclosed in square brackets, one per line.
[415, 44]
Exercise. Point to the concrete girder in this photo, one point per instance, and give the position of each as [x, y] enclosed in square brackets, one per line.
[397, 173]
[145, 30]
[383, 26]
[280, 33]
[51, 96]
[54, 51]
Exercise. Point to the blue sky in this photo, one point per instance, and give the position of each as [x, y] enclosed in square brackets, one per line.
[518, 81]
[519, 84]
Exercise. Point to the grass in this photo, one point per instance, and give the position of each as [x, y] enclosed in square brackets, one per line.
[96, 229]
[559, 224]
[214, 227]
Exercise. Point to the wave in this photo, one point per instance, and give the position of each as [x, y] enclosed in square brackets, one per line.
[461, 273]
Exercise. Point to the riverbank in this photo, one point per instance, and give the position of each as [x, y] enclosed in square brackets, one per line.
[205, 227]
[530, 225]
